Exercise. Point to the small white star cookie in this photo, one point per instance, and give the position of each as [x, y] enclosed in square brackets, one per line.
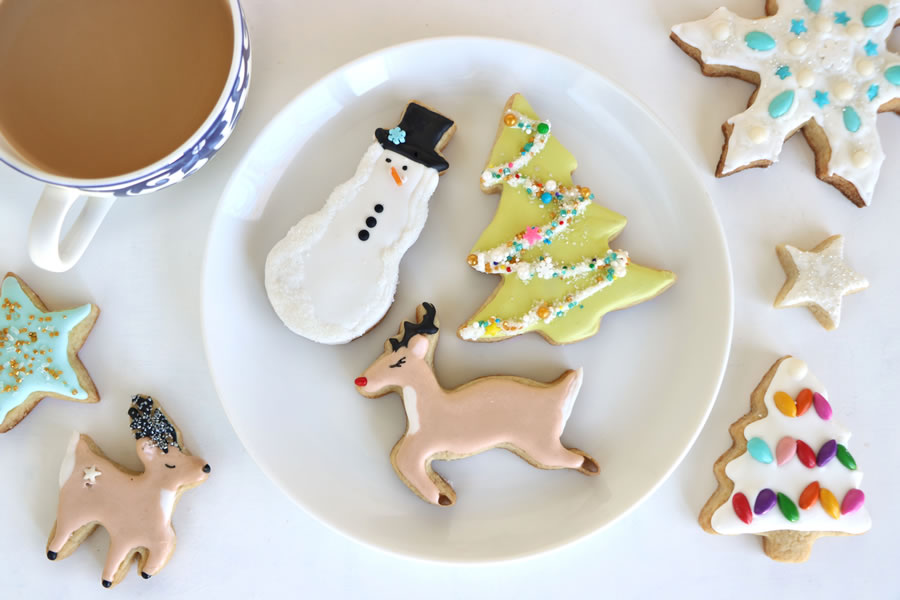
[818, 279]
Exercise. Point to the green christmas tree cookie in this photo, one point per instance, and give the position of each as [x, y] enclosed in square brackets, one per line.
[549, 242]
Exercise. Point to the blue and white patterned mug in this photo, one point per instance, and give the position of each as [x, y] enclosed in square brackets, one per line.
[46, 246]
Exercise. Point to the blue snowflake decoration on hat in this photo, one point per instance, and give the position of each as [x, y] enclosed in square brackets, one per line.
[397, 135]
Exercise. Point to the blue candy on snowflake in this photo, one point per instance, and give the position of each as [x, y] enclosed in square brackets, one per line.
[822, 66]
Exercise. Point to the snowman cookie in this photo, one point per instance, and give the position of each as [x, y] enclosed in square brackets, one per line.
[334, 275]
[822, 67]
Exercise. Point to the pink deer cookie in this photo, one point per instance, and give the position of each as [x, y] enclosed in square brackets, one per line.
[521, 415]
[134, 508]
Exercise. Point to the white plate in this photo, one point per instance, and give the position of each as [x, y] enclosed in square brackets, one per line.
[652, 372]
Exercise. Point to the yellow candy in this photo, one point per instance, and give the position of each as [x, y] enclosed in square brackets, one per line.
[510, 119]
[472, 260]
[543, 312]
[785, 404]
[830, 503]
[492, 329]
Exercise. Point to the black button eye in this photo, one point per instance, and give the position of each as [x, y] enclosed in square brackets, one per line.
[170, 466]
[387, 160]
[405, 167]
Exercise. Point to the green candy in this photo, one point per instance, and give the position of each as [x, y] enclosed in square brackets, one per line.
[788, 508]
[543, 128]
[845, 457]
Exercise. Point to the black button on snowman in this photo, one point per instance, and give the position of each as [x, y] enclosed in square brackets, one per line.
[416, 137]
[372, 221]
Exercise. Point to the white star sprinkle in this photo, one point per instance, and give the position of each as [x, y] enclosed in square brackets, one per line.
[818, 279]
[91, 474]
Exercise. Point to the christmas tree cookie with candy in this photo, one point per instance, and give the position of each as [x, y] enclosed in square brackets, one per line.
[789, 476]
[822, 67]
[39, 352]
[549, 242]
[334, 275]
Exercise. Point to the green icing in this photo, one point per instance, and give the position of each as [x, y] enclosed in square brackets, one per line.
[34, 352]
[589, 236]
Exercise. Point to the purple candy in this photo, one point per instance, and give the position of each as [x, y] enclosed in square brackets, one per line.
[765, 501]
[822, 407]
[826, 453]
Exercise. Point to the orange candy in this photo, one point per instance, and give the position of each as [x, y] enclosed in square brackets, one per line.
[804, 401]
[830, 503]
[543, 312]
[809, 496]
[785, 404]
[473, 260]
[510, 119]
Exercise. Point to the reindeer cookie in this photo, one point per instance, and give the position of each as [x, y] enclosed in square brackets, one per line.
[134, 508]
[521, 415]
[39, 352]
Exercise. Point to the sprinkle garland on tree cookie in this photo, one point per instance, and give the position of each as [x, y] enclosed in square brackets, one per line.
[549, 242]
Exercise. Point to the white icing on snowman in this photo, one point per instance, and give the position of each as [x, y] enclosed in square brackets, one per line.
[831, 55]
[324, 280]
[750, 476]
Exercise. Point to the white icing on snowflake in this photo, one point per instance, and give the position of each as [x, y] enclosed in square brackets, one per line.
[824, 60]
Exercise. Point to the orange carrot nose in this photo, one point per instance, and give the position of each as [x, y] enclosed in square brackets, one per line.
[397, 179]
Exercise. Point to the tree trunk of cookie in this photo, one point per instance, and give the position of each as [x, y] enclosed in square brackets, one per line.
[789, 546]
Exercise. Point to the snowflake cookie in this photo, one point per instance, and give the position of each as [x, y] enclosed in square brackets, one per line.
[822, 67]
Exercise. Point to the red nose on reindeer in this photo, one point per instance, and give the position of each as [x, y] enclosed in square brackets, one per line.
[361, 381]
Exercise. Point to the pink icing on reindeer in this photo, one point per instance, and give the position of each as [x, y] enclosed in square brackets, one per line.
[134, 508]
[521, 415]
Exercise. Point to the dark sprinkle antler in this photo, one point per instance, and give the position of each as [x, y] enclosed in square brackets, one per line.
[425, 327]
[149, 422]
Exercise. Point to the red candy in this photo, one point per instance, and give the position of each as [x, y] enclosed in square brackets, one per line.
[361, 381]
[742, 508]
[804, 401]
[805, 454]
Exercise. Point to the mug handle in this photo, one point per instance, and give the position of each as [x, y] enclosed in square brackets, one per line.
[46, 246]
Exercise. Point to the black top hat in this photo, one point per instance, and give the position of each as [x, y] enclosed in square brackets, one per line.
[420, 136]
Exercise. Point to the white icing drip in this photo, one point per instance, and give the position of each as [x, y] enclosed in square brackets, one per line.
[824, 58]
[412, 411]
[68, 463]
[167, 503]
[323, 281]
[750, 476]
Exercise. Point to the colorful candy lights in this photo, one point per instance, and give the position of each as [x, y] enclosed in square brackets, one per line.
[759, 450]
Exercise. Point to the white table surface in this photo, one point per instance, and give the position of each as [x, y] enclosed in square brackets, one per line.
[239, 536]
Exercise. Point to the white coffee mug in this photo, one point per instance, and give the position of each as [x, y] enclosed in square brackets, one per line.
[46, 246]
